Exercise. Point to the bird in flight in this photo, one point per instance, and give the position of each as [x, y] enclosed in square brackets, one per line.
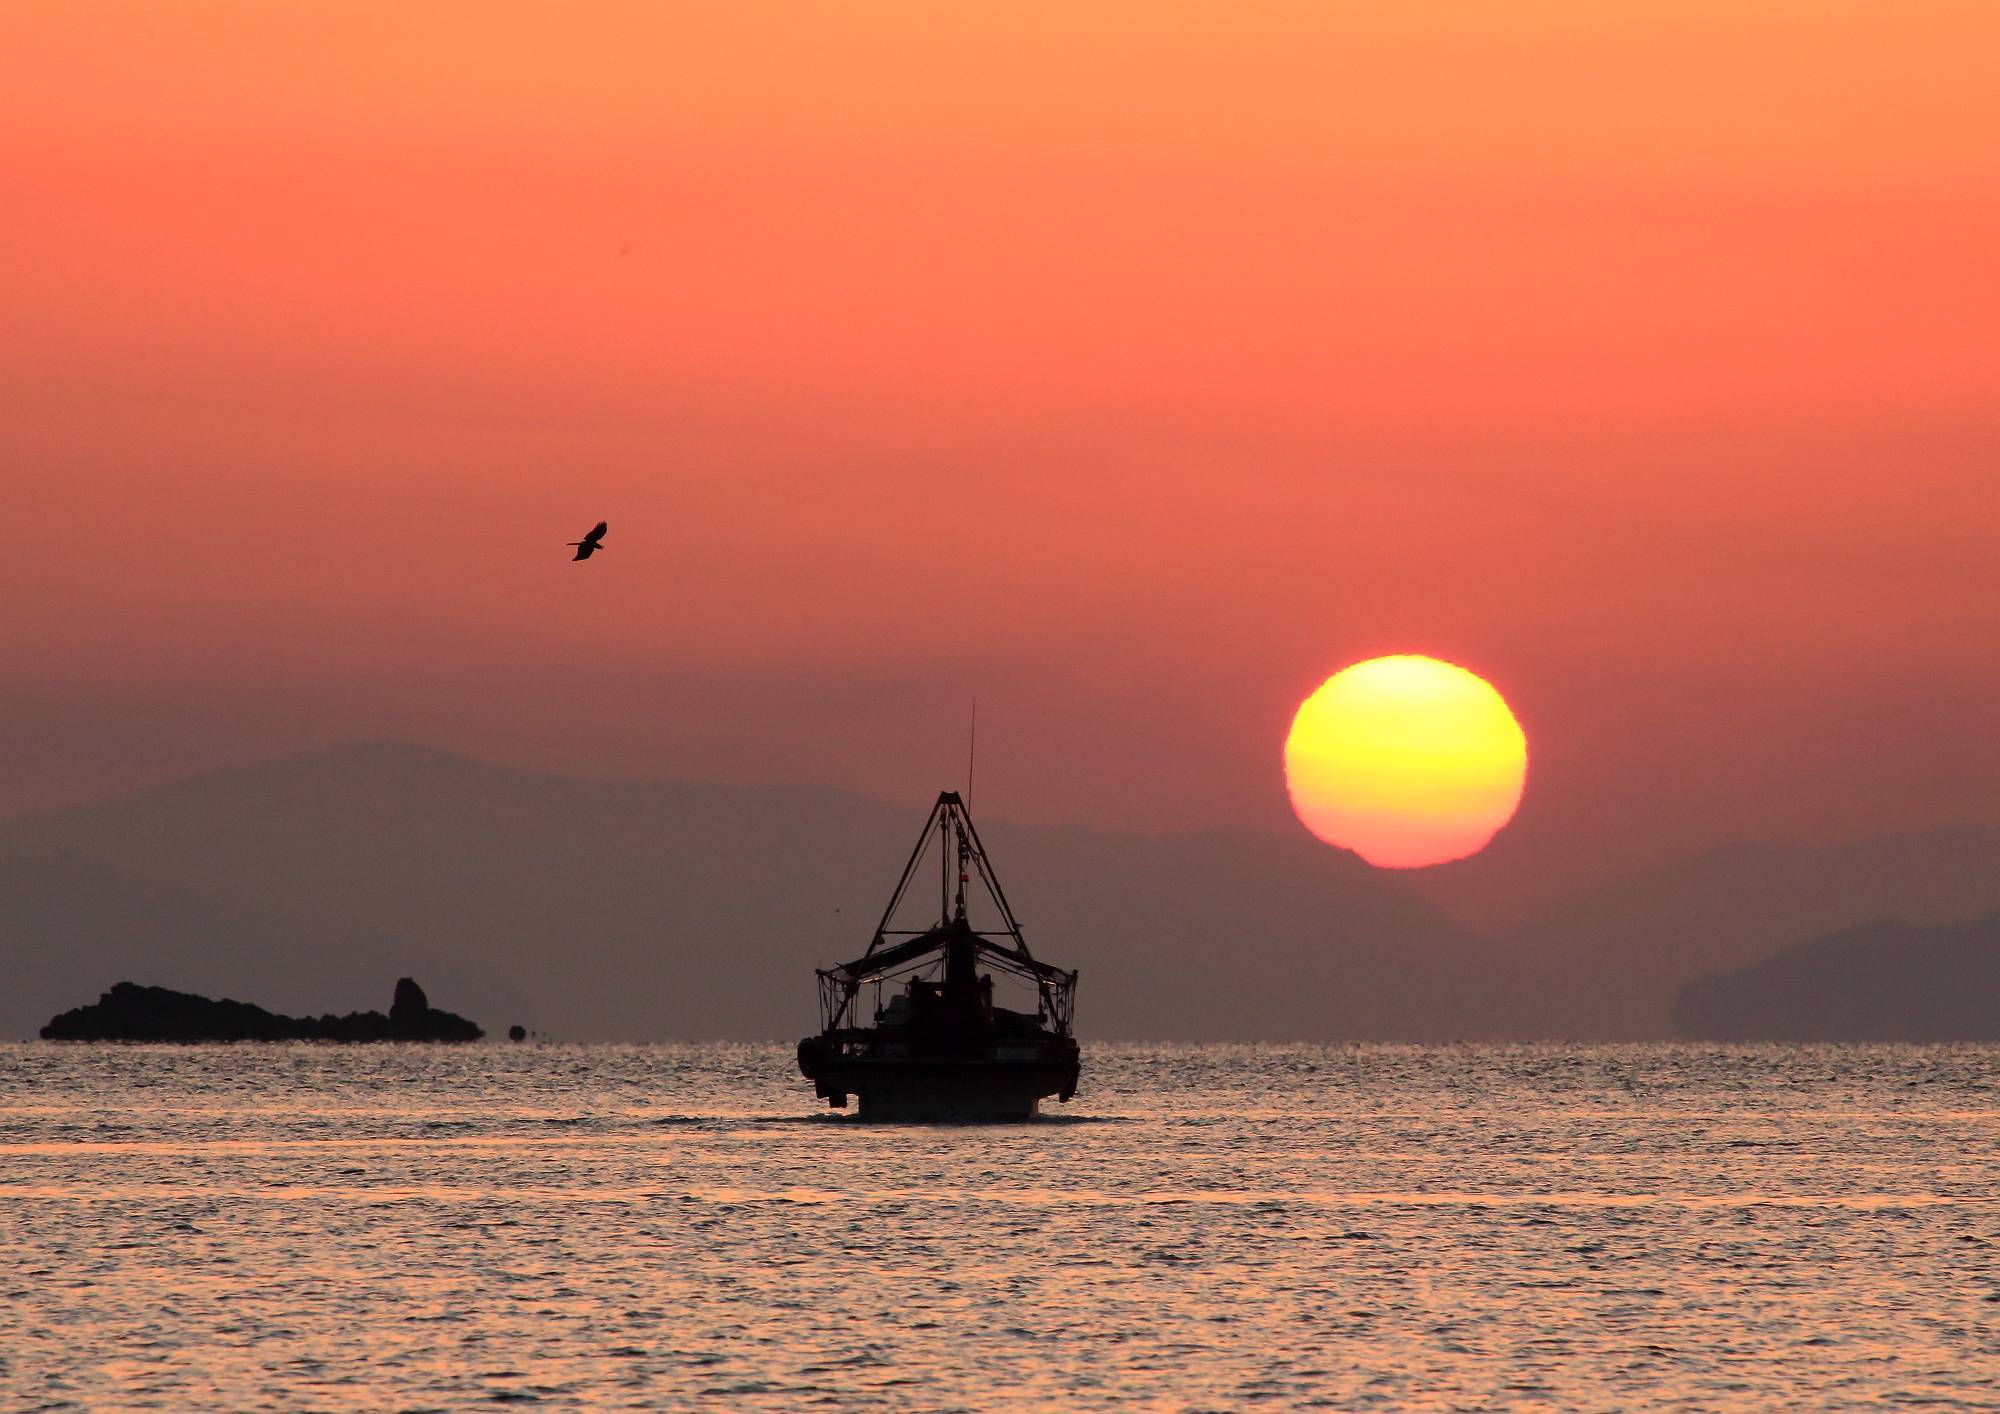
[591, 542]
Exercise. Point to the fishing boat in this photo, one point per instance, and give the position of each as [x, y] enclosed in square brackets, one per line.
[939, 1047]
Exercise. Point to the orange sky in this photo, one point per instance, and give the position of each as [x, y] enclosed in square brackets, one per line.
[1133, 365]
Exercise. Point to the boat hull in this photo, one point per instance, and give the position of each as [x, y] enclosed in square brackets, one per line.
[971, 1090]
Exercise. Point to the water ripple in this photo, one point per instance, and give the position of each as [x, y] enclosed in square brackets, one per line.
[1204, 1228]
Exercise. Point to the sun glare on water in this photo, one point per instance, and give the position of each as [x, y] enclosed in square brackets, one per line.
[1407, 761]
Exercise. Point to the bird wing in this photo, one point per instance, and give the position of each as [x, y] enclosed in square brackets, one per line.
[598, 534]
[583, 549]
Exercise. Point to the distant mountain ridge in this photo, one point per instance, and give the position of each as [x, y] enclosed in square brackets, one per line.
[1878, 982]
[623, 910]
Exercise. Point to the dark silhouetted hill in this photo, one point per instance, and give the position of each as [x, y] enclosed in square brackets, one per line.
[129, 1012]
[623, 910]
[1614, 958]
[1879, 982]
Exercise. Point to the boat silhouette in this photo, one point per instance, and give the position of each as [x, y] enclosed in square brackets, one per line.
[940, 1048]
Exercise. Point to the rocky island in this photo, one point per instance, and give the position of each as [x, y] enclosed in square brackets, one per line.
[129, 1012]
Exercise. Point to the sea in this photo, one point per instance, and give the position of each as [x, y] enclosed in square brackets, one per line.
[294, 1227]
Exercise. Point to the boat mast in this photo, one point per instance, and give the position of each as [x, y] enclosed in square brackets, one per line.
[948, 815]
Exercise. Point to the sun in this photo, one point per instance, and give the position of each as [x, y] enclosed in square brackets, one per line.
[1406, 760]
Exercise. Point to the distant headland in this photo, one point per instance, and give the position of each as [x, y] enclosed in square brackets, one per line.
[1877, 982]
[129, 1012]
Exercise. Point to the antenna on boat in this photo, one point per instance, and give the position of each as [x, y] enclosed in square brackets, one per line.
[971, 753]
